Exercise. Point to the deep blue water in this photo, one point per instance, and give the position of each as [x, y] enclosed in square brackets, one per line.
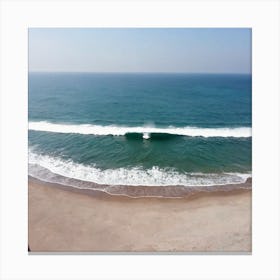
[118, 108]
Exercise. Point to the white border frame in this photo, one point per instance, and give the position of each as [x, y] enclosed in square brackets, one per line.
[262, 16]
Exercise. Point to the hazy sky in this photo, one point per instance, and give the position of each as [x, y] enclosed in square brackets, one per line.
[208, 50]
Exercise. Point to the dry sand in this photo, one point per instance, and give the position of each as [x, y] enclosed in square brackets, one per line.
[65, 221]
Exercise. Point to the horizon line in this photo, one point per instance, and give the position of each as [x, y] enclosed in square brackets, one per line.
[141, 72]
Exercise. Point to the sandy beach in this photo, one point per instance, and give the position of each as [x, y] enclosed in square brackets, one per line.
[62, 220]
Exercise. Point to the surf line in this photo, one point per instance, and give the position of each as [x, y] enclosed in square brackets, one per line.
[91, 129]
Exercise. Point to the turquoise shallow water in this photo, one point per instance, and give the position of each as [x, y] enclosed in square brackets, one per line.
[140, 129]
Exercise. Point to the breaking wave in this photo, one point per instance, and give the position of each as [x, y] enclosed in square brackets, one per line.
[146, 131]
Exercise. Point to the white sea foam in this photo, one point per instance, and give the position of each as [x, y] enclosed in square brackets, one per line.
[122, 130]
[136, 176]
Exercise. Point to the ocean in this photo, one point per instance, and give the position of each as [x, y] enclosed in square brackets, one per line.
[128, 133]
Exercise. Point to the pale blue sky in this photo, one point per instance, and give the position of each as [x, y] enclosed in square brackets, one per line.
[196, 50]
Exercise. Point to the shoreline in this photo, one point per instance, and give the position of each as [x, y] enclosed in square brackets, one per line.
[63, 219]
[148, 191]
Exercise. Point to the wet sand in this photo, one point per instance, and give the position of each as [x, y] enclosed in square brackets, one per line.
[62, 219]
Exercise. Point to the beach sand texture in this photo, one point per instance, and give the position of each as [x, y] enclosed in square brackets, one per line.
[65, 221]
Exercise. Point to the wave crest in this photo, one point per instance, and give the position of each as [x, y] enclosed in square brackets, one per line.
[91, 129]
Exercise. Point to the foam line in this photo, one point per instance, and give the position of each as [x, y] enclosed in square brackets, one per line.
[136, 176]
[92, 129]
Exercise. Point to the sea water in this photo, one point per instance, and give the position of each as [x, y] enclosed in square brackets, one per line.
[118, 129]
